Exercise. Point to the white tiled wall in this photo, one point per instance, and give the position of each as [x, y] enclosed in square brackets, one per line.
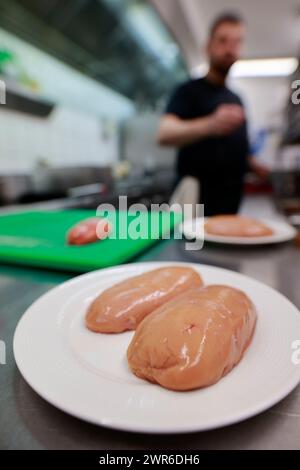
[76, 131]
[66, 137]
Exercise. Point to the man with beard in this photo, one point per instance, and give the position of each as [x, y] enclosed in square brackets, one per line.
[206, 122]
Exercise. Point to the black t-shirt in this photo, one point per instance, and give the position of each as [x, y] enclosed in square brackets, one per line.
[215, 157]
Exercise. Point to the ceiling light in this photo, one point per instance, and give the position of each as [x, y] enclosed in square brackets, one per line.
[279, 67]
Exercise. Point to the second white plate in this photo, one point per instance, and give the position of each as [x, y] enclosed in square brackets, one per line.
[283, 232]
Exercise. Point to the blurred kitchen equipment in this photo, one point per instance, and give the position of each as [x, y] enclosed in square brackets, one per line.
[139, 146]
[286, 180]
[87, 189]
[187, 193]
[46, 183]
[13, 186]
[121, 170]
[59, 182]
[286, 177]
[64, 178]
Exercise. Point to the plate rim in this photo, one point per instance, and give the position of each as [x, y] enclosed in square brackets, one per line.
[252, 411]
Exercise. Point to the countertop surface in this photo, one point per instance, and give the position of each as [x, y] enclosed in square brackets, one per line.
[29, 422]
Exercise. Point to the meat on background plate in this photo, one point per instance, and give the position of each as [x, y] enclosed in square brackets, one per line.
[236, 226]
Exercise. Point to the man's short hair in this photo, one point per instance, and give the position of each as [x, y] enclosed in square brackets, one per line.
[229, 17]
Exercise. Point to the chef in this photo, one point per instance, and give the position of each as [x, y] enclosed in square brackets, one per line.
[206, 121]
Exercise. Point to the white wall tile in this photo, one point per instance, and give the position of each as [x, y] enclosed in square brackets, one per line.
[66, 137]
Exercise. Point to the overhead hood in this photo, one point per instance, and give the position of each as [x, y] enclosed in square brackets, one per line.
[121, 43]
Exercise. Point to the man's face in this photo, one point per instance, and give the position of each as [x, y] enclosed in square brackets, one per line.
[224, 47]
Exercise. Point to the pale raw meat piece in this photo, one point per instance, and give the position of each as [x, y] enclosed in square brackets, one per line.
[88, 231]
[193, 340]
[124, 306]
[236, 226]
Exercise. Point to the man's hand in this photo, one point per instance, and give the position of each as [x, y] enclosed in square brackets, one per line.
[263, 172]
[226, 119]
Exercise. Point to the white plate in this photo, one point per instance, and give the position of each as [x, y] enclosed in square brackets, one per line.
[283, 232]
[86, 374]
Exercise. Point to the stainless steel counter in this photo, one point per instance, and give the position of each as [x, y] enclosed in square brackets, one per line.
[28, 422]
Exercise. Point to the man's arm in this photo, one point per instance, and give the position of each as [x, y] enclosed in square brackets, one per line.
[177, 132]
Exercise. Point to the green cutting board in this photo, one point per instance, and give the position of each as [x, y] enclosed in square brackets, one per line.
[38, 238]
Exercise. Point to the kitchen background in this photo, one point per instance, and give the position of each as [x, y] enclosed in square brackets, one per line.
[87, 81]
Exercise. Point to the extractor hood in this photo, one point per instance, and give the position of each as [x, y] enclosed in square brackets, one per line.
[121, 43]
